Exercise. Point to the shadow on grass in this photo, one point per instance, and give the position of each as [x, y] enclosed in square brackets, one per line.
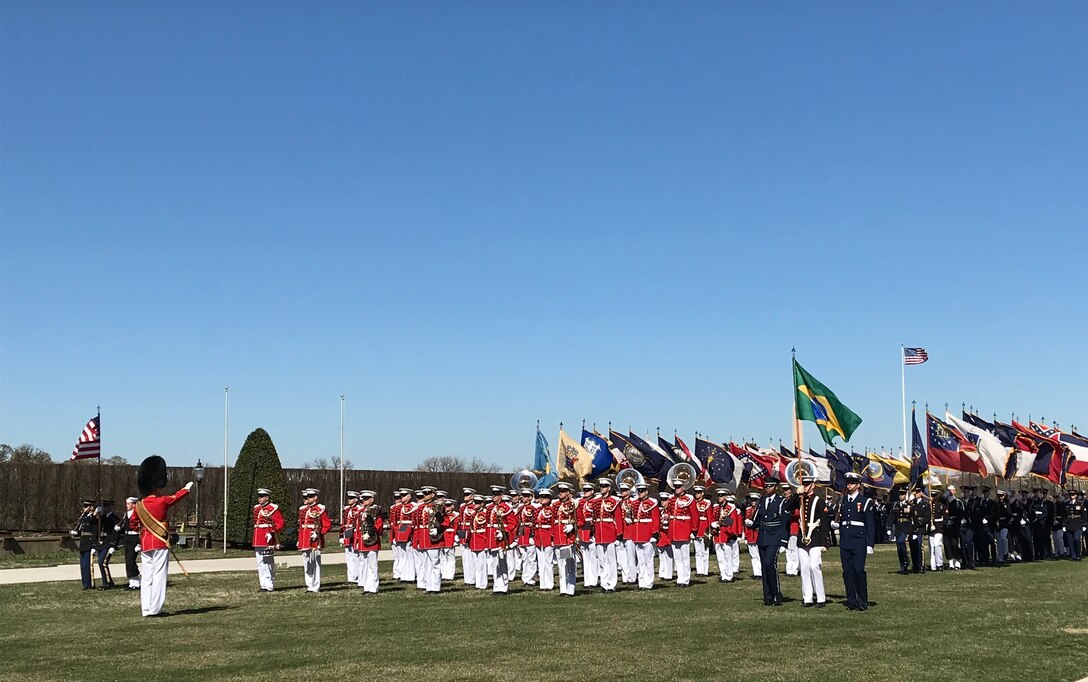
[204, 609]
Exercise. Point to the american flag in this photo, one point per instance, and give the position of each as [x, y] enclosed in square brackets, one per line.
[89, 444]
[914, 356]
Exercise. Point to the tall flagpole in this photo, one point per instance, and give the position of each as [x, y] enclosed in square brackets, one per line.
[342, 500]
[903, 374]
[226, 424]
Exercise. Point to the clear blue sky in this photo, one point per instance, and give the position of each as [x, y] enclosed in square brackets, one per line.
[469, 216]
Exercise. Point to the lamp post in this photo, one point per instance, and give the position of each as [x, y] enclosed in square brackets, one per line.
[198, 475]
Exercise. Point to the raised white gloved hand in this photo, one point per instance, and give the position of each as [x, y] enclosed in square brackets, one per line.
[568, 529]
[748, 523]
[1023, 522]
[834, 525]
[868, 550]
[189, 485]
[715, 525]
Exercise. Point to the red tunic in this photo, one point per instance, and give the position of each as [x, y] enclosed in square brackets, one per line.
[267, 521]
[729, 523]
[703, 510]
[542, 525]
[586, 513]
[500, 520]
[477, 534]
[565, 513]
[401, 521]
[526, 520]
[423, 516]
[607, 520]
[158, 506]
[645, 520]
[449, 535]
[311, 518]
[751, 535]
[357, 535]
[347, 523]
[680, 510]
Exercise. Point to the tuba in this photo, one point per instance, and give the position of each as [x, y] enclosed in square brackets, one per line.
[367, 526]
[629, 476]
[523, 479]
[793, 475]
[682, 474]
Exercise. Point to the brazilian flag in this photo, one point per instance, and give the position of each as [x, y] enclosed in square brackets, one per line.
[816, 403]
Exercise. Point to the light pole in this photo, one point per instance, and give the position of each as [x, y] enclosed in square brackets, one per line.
[342, 501]
[198, 475]
[226, 423]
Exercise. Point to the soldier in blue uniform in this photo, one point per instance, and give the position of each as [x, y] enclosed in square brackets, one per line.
[856, 519]
[772, 520]
[901, 528]
[86, 534]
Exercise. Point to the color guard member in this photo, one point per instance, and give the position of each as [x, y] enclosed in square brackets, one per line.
[813, 538]
[128, 530]
[857, 523]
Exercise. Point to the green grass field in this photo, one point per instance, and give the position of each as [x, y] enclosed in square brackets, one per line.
[68, 557]
[1025, 622]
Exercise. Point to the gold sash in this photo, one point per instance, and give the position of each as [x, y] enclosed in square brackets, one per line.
[153, 525]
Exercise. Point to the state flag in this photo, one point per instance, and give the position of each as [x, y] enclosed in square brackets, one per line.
[723, 467]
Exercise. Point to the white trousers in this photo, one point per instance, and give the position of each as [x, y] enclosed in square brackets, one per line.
[311, 568]
[664, 561]
[368, 571]
[407, 562]
[811, 563]
[753, 554]
[792, 565]
[568, 569]
[629, 562]
[468, 565]
[702, 556]
[154, 565]
[350, 560]
[589, 564]
[481, 574]
[606, 565]
[735, 549]
[449, 563]
[545, 560]
[398, 558]
[513, 561]
[936, 551]
[528, 564]
[724, 552]
[498, 563]
[432, 569]
[681, 556]
[422, 568]
[266, 570]
[644, 560]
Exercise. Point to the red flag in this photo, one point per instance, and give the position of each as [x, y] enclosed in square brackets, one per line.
[951, 449]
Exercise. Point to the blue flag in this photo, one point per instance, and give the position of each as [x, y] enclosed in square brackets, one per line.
[878, 474]
[638, 461]
[657, 462]
[723, 467]
[840, 466]
[542, 464]
[919, 461]
[599, 453]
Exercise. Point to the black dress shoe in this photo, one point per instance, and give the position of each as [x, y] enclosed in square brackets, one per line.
[851, 607]
[820, 604]
[863, 608]
[807, 604]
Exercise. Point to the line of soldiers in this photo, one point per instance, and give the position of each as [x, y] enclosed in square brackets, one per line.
[615, 537]
[100, 532]
[986, 528]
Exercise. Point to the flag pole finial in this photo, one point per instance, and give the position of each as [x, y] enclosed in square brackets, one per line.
[583, 424]
[537, 424]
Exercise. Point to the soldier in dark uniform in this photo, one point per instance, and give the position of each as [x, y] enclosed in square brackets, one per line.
[108, 540]
[956, 513]
[1076, 521]
[883, 510]
[86, 533]
[1056, 507]
[967, 525]
[919, 521]
[1018, 547]
[772, 520]
[901, 529]
[1001, 528]
[856, 518]
[983, 526]
[128, 534]
[1039, 521]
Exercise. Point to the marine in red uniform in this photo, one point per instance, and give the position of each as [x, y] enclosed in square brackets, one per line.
[501, 523]
[607, 525]
[347, 530]
[702, 512]
[526, 536]
[477, 542]
[565, 528]
[267, 523]
[313, 523]
[428, 526]
[664, 540]
[586, 513]
[447, 561]
[367, 540]
[153, 510]
[644, 528]
[751, 535]
[467, 512]
[726, 527]
[400, 535]
[543, 539]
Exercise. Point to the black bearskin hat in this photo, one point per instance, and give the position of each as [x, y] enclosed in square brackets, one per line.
[152, 475]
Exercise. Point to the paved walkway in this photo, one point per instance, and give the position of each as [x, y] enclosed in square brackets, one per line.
[14, 576]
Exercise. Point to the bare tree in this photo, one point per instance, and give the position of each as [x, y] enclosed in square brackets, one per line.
[327, 463]
[24, 454]
[455, 465]
[116, 460]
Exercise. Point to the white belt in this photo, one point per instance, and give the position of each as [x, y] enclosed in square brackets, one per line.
[131, 532]
[854, 523]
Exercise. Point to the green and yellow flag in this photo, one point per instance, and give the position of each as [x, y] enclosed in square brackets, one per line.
[816, 403]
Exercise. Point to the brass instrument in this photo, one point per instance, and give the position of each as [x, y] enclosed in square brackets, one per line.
[367, 525]
[682, 474]
[434, 523]
[711, 532]
[793, 475]
[631, 477]
[523, 479]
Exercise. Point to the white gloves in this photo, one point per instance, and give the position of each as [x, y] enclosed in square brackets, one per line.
[110, 552]
[267, 538]
[914, 537]
[985, 522]
[137, 548]
[748, 523]
[715, 525]
[434, 533]
[568, 529]
[834, 525]
[341, 542]
[499, 535]
[189, 485]
[532, 542]
[1023, 522]
[117, 529]
[868, 550]
[74, 533]
[366, 537]
[313, 534]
